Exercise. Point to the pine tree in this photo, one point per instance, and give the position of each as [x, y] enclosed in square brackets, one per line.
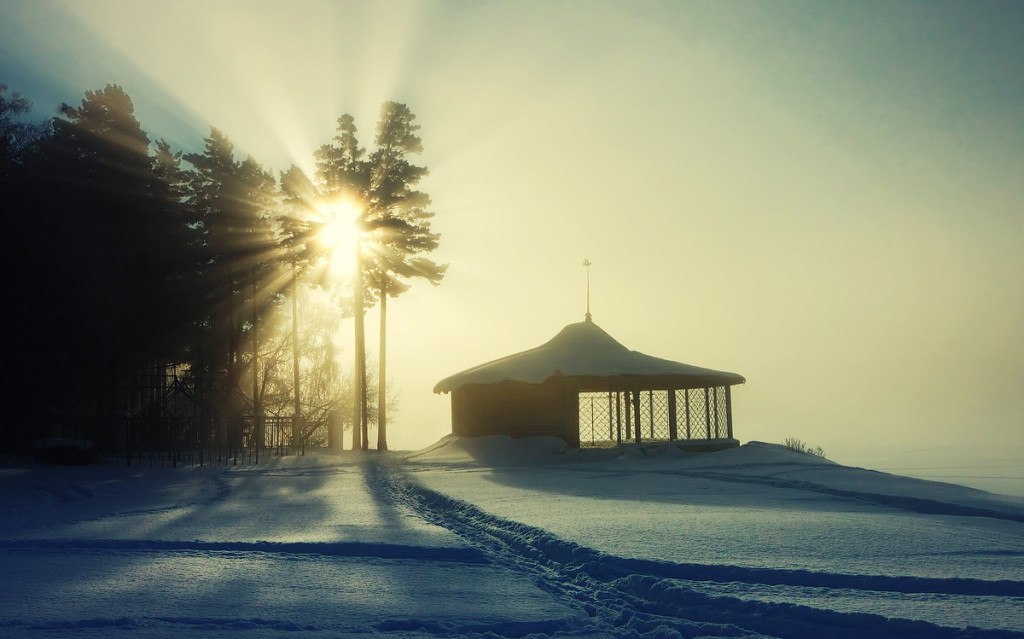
[121, 230]
[402, 223]
[394, 222]
[16, 137]
[233, 203]
[111, 264]
[209, 195]
[260, 257]
[342, 174]
[298, 195]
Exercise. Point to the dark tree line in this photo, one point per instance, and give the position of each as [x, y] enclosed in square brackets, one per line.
[125, 255]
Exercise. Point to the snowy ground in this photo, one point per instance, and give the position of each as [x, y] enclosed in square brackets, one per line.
[503, 538]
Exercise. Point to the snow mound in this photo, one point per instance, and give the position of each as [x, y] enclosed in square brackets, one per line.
[60, 450]
[654, 450]
[493, 450]
[757, 453]
[502, 450]
[754, 463]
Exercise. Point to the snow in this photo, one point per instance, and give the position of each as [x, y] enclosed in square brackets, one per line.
[496, 537]
[583, 349]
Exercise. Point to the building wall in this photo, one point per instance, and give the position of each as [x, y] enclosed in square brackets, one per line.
[517, 409]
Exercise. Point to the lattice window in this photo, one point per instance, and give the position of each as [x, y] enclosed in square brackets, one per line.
[721, 416]
[607, 418]
[658, 426]
[691, 413]
[597, 420]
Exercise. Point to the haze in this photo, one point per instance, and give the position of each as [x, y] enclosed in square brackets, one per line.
[827, 198]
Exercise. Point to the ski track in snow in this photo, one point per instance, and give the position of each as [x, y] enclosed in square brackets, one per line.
[625, 597]
[73, 493]
[207, 626]
[289, 549]
[66, 494]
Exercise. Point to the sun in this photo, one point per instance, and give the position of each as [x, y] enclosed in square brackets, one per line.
[337, 236]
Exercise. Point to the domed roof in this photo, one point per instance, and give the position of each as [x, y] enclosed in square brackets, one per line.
[584, 350]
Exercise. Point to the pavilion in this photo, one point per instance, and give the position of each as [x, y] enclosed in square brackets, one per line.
[588, 389]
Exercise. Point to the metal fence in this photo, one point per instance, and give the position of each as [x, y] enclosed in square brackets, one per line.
[162, 440]
[610, 418]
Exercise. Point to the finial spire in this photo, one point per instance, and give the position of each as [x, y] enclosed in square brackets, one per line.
[586, 263]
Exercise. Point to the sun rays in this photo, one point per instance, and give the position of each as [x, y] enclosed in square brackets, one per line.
[337, 235]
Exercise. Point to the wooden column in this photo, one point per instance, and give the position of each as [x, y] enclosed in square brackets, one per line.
[571, 397]
[686, 399]
[618, 417]
[707, 414]
[629, 416]
[728, 409]
[650, 408]
[592, 429]
[636, 414]
[714, 410]
[611, 421]
[673, 428]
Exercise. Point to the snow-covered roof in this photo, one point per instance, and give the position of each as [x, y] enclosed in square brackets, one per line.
[584, 350]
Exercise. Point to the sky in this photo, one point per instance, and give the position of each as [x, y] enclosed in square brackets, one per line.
[825, 197]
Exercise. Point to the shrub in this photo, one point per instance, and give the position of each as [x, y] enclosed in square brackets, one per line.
[799, 446]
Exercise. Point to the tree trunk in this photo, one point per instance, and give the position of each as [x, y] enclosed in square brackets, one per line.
[363, 399]
[257, 422]
[232, 343]
[358, 374]
[382, 415]
[234, 375]
[297, 410]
